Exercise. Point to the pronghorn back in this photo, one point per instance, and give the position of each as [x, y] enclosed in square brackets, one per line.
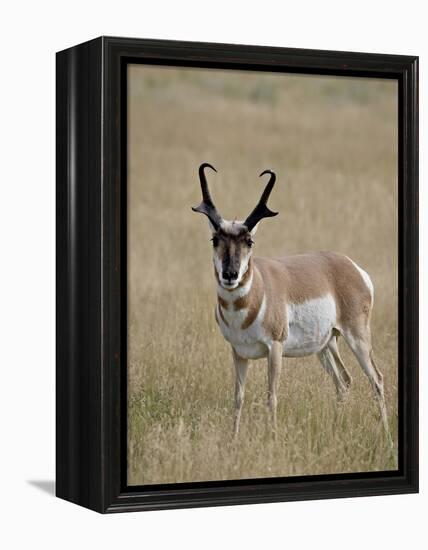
[305, 277]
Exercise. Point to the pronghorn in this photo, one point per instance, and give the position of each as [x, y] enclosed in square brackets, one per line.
[287, 307]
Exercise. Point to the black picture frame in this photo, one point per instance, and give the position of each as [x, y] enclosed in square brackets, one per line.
[91, 273]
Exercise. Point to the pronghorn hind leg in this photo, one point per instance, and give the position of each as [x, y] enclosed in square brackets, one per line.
[328, 362]
[274, 369]
[346, 377]
[360, 345]
[241, 367]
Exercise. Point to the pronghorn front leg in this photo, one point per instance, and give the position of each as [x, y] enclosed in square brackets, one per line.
[241, 367]
[274, 368]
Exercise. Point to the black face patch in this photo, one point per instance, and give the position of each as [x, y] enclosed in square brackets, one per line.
[230, 249]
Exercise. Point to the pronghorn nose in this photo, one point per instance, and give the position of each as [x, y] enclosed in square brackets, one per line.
[229, 274]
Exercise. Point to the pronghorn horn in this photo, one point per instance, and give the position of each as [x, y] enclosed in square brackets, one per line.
[261, 210]
[207, 206]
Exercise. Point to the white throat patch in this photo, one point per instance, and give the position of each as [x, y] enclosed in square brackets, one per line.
[238, 292]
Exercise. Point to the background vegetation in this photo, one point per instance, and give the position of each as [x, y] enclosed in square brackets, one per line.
[333, 145]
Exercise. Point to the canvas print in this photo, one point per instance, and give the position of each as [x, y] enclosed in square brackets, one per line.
[262, 295]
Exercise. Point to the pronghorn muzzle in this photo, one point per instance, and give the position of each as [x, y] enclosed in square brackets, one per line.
[231, 265]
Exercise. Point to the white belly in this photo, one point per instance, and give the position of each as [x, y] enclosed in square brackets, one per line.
[310, 326]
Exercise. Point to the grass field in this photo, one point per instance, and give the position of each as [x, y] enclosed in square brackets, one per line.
[333, 144]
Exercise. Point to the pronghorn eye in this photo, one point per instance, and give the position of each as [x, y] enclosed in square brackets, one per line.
[215, 241]
[249, 242]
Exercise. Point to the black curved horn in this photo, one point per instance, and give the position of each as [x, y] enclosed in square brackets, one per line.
[261, 210]
[207, 206]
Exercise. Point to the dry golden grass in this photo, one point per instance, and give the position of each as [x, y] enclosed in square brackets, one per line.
[333, 145]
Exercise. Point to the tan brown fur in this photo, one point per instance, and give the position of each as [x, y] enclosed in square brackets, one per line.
[223, 303]
[240, 303]
[246, 276]
[299, 278]
[253, 299]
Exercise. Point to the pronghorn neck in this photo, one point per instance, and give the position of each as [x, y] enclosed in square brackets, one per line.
[239, 309]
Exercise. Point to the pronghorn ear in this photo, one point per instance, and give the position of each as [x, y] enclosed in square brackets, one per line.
[254, 230]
